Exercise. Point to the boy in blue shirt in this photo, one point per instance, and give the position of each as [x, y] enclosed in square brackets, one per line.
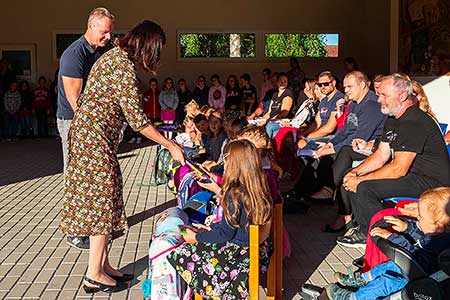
[425, 239]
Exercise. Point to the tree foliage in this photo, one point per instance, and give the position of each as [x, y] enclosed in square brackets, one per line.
[295, 44]
[214, 45]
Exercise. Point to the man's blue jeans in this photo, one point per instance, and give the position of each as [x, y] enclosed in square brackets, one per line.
[272, 128]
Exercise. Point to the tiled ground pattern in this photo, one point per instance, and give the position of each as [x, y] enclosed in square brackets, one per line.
[36, 262]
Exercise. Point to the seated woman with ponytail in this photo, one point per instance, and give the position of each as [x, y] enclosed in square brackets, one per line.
[215, 260]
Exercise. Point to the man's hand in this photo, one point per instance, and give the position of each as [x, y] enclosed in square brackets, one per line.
[397, 224]
[359, 144]
[324, 149]
[351, 182]
[285, 123]
[377, 231]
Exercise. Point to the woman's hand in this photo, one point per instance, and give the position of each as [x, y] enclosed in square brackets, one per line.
[397, 224]
[176, 152]
[190, 236]
[377, 231]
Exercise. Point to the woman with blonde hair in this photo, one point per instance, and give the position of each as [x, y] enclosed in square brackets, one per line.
[215, 260]
[422, 99]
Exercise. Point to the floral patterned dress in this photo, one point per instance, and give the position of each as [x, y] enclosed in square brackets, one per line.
[93, 199]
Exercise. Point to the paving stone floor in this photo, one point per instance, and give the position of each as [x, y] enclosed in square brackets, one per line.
[36, 262]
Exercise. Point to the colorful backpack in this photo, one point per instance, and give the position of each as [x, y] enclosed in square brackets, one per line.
[163, 282]
[161, 166]
[187, 188]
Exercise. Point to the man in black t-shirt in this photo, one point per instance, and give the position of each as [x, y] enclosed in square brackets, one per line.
[410, 159]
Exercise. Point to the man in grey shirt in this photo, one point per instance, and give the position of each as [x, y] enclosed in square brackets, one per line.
[75, 64]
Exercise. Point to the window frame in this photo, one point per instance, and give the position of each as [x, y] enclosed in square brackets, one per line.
[72, 31]
[31, 48]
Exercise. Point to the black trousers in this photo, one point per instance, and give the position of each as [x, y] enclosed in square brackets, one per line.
[368, 198]
[42, 122]
[341, 166]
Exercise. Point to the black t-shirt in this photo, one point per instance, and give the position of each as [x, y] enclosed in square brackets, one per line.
[233, 98]
[277, 101]
[249, 96]
[247, 93]
[417, 132]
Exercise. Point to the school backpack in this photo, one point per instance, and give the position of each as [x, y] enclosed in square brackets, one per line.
[163, 282]
[187, 188]
[161, 165]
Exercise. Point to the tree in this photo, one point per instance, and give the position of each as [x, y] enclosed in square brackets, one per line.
[216, 45]
[295, 44]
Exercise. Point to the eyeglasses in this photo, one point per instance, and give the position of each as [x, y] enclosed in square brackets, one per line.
[321, 84]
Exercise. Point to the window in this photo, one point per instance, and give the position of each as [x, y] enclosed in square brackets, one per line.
[217, 45]
[301, 45]
[21, 59]
[64, 39]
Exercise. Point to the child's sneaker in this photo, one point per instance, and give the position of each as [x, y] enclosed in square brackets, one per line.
[132, 141]
[335, 292]
[352, 279]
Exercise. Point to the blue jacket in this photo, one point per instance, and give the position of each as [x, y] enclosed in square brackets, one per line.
[425, 248]
[222, 232]
[364, 121]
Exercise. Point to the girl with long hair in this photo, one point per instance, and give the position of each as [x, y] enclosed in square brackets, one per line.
[215, 260]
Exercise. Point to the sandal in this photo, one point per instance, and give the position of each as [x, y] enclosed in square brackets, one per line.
[101, 287]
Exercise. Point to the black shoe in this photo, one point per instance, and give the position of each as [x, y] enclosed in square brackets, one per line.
[345, 227]
[358, 262]
[354, 240]
[100, 287]
[79, 242]
[123, 278]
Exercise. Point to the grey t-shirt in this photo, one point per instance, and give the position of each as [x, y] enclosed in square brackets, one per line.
[75, 62]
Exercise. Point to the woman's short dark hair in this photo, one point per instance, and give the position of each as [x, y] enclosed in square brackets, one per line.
[143, 44]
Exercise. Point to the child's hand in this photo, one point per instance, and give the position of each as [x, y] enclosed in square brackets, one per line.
[210, 186]
[397, 224]
[211, 175]
[410, 210]
[190, 236]
[201, 226]
[377, 231]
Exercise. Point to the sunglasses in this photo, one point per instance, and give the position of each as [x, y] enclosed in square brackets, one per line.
[321, 84]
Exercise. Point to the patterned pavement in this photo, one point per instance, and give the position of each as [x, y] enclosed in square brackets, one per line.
[36, 262]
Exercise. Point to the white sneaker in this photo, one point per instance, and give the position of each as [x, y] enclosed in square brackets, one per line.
[138, 140]
[133, 140]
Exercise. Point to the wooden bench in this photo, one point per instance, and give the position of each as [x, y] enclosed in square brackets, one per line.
[275, 272]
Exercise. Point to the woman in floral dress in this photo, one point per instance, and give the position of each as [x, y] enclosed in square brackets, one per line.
[93, 200]
[215, 260]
